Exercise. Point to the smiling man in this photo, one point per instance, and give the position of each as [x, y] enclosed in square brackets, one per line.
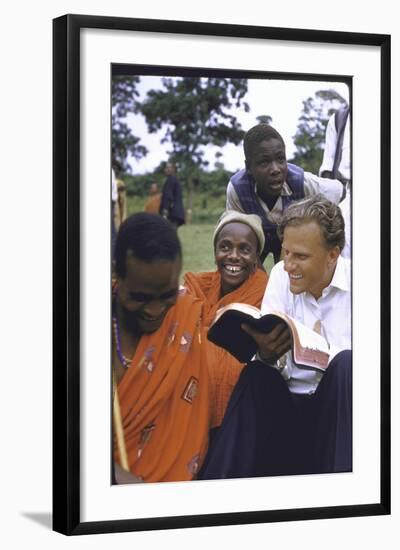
[160, 362]
[282, 418]
[269, 184]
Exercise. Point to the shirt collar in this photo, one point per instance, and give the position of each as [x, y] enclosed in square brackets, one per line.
[341, 278]
[286, 189]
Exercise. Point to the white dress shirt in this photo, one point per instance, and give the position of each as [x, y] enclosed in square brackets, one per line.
[114, 188]
[330, 189]
[332, 310]
[345, 207]
[330, 149]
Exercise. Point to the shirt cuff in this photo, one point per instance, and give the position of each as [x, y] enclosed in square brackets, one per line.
[279, 365]
[258, 357]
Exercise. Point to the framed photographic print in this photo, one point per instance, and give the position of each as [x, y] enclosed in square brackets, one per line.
[146, 105]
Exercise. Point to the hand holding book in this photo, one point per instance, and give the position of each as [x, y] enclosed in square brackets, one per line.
[271, 346]
[243, 330]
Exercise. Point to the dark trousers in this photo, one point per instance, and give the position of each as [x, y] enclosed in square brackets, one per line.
[267, 430]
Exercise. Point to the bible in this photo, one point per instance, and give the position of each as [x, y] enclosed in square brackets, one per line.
[309, 349]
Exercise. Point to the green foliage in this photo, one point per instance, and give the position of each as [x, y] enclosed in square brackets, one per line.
[213, 183]
[124, 101]
[310, 135]
[206, 209]
[194, 112]
[208, 195]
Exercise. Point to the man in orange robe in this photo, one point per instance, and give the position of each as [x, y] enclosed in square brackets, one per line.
[160, 362]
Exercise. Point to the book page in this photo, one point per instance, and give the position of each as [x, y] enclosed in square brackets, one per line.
[309, 348]
[311, 339]
[238, 306]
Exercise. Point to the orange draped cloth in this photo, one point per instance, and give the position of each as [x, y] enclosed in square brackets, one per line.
[165, 398]
[152, 205]
[207, 287]
[224, 368]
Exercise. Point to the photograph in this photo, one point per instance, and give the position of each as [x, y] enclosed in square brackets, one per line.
[230, 192]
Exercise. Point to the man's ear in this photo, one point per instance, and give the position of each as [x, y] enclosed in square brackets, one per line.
[333, 255]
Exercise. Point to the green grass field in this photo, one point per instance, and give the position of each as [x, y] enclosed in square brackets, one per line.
[206, 208]
[198, 253]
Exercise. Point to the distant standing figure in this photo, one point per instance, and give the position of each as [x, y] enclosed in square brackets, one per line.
[336, 159]
[336, 163]
[171, 207]
[152, 205]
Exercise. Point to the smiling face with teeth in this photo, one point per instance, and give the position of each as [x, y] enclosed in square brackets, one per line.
[235, 255]
[309, 264]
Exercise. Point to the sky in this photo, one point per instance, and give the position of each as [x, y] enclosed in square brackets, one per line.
[280, 99]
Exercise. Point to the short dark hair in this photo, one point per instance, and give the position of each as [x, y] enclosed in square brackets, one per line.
[321, 210]
[257, 134]
[149, 237]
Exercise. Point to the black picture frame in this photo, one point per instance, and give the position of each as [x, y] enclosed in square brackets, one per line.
[67, 265]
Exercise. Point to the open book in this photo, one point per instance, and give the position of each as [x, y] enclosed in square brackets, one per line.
[309, 349]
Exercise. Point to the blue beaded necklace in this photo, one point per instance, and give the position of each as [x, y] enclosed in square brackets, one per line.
[125, 361]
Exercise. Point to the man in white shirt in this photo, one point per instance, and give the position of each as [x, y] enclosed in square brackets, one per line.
[284, 419]
[336, 163]
[336, 159]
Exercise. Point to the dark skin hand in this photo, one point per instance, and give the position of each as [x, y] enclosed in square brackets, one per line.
[273, 345]
[123, 477]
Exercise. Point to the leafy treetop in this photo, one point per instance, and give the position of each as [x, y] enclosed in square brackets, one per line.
[194, 112]
[310, 135]
[124, 143]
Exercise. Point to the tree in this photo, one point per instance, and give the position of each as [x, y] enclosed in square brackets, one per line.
[124, 101]
[310, 135]
[194, 112]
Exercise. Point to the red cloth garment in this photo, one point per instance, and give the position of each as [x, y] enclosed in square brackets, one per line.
[223, 367]
[207, 287]
[165, 398]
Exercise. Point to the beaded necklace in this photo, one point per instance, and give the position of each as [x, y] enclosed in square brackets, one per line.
[125, 361]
